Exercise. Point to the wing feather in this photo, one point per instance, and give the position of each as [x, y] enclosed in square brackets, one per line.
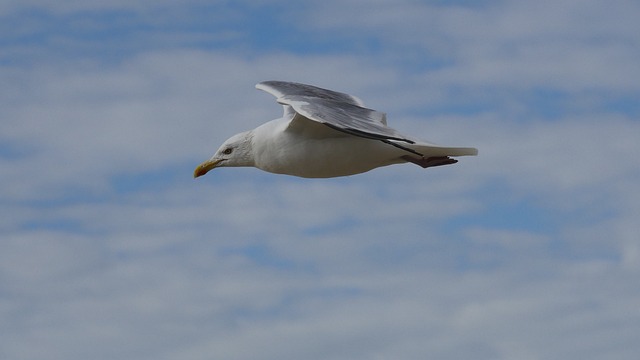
[345, 117]
[339, 111]
[284, 88]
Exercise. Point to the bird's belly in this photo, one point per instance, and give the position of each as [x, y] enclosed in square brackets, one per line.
[323, 158]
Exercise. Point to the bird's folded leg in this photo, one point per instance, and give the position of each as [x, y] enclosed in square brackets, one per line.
[430, 161]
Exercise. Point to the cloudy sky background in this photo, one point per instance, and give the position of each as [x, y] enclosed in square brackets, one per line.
[109, 249]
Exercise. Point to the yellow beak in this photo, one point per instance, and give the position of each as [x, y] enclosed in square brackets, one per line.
[205, 167]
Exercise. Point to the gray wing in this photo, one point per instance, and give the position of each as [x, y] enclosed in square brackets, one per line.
[284, 88]
[336, 110]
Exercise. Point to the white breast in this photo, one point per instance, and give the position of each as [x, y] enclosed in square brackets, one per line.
[286, 152]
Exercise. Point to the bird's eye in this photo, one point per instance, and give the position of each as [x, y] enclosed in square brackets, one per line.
[227, 151]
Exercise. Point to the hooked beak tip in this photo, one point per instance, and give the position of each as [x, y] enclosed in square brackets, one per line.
[205, 167]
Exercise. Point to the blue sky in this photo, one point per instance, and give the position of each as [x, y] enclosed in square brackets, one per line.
[110, 249]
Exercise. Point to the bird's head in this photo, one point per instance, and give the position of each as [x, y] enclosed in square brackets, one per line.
[236, 151]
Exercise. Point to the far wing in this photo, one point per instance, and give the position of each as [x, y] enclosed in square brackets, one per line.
[343, 116]
[285, 88]
[281, 89]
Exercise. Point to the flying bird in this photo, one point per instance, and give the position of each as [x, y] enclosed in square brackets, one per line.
[323, 134]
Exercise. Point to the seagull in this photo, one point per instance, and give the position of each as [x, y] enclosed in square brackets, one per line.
[325, 134]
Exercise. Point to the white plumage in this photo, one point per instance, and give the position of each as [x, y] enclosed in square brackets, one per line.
[324, 133]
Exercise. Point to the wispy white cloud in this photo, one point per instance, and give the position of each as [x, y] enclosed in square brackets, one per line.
[567, 45]
[111, 249]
